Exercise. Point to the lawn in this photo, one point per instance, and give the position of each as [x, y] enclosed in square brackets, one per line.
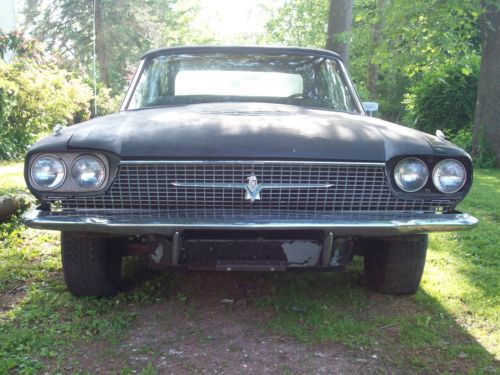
[450, 325]
[11, 177]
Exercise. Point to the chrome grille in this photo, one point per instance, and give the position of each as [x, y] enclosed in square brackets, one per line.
[354, 188]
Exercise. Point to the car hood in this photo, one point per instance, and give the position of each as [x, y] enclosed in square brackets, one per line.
[244, 131]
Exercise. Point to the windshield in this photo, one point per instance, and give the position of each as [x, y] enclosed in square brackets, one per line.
[309, 81]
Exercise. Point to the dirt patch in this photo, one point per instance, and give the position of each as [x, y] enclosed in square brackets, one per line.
[10, 298]
[222, 338]
[216, 329]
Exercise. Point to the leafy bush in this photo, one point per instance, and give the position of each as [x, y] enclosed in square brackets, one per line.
[444, 98]
[16, 41]
[33, 98]
[462, 138]
[106, 102]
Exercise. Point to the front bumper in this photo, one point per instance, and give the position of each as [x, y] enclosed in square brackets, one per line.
[351, 224]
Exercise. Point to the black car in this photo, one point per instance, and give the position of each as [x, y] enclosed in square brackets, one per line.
[245, 158]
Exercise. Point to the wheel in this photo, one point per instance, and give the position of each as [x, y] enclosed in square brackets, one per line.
[90, 267]
[396, 266]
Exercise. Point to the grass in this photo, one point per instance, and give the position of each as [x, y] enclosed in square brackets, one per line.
[450, 325]
[462, 272]
[11, 177]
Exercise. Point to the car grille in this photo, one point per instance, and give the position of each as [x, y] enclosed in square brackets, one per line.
[176, 186]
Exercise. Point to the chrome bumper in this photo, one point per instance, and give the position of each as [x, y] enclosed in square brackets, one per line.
[362, 224]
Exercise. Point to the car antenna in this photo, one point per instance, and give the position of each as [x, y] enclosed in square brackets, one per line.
[94, 67]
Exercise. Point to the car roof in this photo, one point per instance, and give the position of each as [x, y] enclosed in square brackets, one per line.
[240, 49]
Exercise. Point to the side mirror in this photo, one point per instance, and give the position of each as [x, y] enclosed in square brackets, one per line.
[370, 107]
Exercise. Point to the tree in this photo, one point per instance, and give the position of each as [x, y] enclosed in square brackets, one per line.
[391, 42]
[339, 26]
[486, 135]
[377, 29]
[300, 23]
[125, 29]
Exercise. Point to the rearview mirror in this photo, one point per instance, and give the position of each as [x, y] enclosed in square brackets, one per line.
[370, 107]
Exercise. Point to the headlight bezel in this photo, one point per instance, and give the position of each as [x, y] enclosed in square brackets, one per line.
[430, 191]
[69, 185]
[464, 181]
[44, 188]
[397, 182]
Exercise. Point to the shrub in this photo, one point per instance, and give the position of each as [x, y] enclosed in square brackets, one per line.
[33, 98]
[444, 98]
[462, 138]
[106, 102]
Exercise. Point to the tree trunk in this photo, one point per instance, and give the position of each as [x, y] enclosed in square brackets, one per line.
[339, 26]
[373, 69]
[486, 132]
[100, 45]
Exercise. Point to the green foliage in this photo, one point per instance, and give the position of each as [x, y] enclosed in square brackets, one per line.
[124, 31]
[33, 98]
[445, 99]
[462, 138]
[300, 23]
[107, 103]
[424, 34]
[402, 39]
[391, 89]
[17, 42]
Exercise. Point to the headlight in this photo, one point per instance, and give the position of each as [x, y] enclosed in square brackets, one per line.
[88, 172]
[411, 174]
[449, 176]
[48, 172]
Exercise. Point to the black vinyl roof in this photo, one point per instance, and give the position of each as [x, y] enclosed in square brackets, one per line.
[240, 49]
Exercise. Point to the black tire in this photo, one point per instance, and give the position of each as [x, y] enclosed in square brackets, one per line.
[90, 266]
[396, 266]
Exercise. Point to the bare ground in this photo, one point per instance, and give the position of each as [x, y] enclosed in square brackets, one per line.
[216, 330]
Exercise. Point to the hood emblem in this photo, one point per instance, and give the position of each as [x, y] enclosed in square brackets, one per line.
[252, 189]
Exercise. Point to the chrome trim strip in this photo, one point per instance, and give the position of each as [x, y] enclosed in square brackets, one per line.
[157, 162]
[340, 224]
[243, 186]
[132, 87]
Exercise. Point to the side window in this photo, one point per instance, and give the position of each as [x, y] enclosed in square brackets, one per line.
[340, 94]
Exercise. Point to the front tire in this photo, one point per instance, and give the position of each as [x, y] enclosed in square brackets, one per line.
[90, 266]
[396, 266]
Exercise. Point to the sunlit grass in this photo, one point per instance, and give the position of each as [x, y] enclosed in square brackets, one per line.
[462, 270]
[11, 177]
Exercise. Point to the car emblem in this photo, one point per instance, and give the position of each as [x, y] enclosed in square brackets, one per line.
[252, 189]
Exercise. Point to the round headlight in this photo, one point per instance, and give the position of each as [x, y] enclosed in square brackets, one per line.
[449, 176]
[48, 172]
[88, 172]
[411, 174]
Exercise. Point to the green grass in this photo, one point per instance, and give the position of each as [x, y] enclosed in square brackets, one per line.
[463, 268]
[11, 177]
[450, 325]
